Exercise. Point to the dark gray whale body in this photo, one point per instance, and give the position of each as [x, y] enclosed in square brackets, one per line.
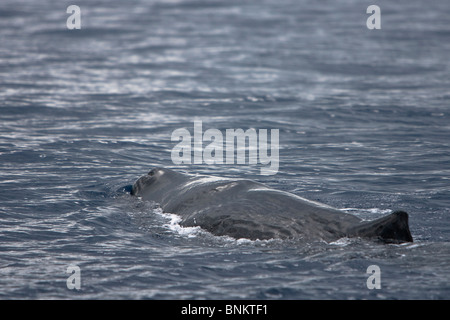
[248, 209]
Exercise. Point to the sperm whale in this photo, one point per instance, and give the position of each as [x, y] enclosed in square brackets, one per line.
[242, 208]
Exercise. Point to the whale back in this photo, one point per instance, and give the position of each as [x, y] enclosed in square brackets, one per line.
[243, 208]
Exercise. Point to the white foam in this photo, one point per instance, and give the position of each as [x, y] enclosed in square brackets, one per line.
[342, 242]
[173, 224]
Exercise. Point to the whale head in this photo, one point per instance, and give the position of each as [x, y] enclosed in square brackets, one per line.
[156, 183]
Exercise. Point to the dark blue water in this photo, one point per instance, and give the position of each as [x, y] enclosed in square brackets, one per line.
[364, 126]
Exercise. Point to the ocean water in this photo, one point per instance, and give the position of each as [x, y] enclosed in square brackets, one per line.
[364, 126]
